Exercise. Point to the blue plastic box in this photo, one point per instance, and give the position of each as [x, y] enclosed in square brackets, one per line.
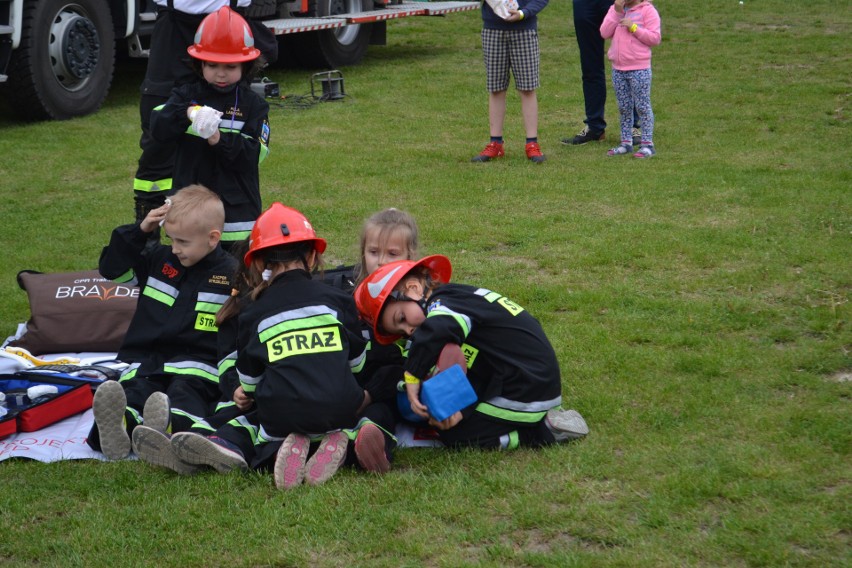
[447, 392]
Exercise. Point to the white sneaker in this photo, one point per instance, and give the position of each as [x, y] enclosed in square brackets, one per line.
[108, 408]
[157, 412]
[155, 448]
[566, 424]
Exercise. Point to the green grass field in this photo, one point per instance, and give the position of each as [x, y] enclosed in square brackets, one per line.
[698, 303]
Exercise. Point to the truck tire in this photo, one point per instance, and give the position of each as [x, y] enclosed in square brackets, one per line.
[341, 47]
[262, 9]
[64, 65]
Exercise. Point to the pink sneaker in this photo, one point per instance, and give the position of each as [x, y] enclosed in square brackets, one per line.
[370, 449]
[327, 459]
[289, 470]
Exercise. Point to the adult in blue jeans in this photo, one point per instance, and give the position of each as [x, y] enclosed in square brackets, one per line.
[588, 17]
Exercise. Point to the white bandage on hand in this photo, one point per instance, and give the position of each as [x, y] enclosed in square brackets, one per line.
[205, 120]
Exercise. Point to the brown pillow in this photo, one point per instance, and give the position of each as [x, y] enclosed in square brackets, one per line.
[75, 312]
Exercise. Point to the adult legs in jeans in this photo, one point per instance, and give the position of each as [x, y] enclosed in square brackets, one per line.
[588, 17]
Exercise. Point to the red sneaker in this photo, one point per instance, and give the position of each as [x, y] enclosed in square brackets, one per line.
[370, 449]
[491, 151]
[534, 153]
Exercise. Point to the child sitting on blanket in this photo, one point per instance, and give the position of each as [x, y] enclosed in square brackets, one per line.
[172, 380]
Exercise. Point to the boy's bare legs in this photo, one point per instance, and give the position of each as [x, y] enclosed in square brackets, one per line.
[529, 111]
[497, 112]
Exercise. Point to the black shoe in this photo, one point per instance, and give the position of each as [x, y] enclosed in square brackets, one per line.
[584, 136]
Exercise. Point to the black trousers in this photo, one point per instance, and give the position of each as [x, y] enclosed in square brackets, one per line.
[480, 431]
[262, 456]
[191, 398]
[588, 16]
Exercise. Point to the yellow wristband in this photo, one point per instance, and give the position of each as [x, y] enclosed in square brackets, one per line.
[410, 379]
[521, 12]
[633, 28]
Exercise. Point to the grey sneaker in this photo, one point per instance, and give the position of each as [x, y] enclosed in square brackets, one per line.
[155, 448]
[584, 136]
[637, 135]
[327, 459]
[108, 408]
[289, 470]
[566, 424]
[620, 150]
[200, 450]
[157, 413]
[645, 151]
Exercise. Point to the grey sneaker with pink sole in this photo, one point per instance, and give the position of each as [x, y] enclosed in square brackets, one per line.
[327, 459]
[289, 469]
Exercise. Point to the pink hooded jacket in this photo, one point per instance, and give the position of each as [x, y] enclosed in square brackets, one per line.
[632, 51]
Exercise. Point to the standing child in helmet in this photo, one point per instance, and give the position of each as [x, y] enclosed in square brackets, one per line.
[219, 124]
[511, 364]
[299, 345]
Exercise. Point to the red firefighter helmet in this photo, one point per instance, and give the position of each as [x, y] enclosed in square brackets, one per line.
[281, 225]
[372, 294]
[224, 37]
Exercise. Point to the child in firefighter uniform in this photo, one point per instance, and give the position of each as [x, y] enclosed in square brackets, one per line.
[171, 341]
[511, 364]
[219, 125]
[299, 347]
[168, 67]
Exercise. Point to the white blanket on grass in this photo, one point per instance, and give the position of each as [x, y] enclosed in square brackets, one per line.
[66, 439]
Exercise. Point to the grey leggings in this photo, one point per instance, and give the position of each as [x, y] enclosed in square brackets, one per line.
[633, 88]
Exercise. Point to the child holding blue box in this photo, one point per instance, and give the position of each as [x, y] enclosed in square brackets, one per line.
[511, 364]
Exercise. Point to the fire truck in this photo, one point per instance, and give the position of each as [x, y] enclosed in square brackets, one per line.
[57, 57]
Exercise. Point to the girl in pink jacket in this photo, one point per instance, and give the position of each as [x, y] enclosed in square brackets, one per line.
[634, 26]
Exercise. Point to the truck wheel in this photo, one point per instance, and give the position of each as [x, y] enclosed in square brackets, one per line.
[262, 9]
[64, 65]
[335, 48]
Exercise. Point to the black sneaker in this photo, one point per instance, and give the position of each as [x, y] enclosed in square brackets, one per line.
[584, 136]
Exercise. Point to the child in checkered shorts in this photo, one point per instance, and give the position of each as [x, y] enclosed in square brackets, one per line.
[511, 43]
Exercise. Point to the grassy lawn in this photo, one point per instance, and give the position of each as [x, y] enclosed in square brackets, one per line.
[698, 303]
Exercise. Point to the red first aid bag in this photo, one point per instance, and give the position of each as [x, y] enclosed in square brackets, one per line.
[24, 414]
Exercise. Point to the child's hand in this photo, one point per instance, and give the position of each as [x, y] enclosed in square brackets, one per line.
[447, 423]
[154, 218]
[205, 120]
[413, 392]
[241, 399]
[514, 16]
[626, 22]
[619, 6]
